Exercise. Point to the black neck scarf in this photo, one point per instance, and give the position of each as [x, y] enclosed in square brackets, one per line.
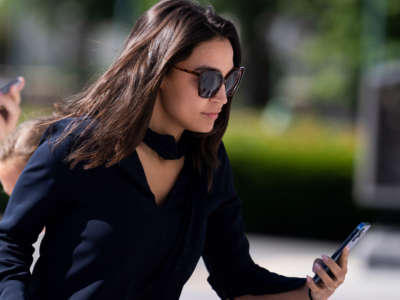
[165, 144]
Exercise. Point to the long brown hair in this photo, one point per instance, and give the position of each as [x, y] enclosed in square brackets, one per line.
[121, 101]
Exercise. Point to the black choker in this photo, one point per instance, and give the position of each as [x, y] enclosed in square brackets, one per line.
[165, 144]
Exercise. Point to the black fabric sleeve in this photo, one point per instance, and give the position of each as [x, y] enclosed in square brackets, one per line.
[35, 198]
[232, 272]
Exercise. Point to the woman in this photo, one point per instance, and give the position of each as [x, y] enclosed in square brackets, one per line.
[133, 182]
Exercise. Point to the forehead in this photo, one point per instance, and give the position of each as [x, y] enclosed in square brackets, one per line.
[216, 53]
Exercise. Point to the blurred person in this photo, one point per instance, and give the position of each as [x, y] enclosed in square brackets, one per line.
[133, 182]
[17, 148]
[10, 110]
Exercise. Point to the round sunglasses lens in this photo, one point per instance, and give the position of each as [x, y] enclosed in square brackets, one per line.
[231, 82]
[209, 83]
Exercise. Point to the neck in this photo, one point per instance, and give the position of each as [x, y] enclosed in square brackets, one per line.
[175, 132]
[161, 130]
[162, 123]
[165, 144]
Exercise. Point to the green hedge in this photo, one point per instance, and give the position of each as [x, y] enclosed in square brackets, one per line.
[297, 183]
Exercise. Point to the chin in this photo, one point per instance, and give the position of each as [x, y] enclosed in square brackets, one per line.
[200, 127]
[205, 129]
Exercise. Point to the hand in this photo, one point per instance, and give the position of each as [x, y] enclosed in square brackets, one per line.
[10, 109]
[327, 287]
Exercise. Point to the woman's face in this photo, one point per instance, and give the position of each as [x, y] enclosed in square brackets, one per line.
[178, 105]
[10, 170]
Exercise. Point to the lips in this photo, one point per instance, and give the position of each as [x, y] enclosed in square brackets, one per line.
[212, 113]
[213, 116]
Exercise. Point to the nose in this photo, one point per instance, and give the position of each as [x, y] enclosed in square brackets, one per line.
[220, 96]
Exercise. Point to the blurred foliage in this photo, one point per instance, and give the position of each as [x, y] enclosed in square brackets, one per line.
[337, 39]
[298, 183]
[340, 37]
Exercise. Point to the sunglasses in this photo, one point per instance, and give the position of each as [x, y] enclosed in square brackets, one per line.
[210, 80]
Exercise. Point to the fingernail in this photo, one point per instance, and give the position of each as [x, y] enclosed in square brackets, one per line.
[324, 257]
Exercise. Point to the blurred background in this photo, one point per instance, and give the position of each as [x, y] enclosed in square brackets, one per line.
[314, 133]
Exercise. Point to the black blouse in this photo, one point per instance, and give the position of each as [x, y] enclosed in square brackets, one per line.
[106, 238]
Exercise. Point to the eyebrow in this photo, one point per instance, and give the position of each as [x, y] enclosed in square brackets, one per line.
[212, 68]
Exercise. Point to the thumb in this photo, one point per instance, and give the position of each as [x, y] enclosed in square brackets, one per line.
[16, 89]
[21, 84]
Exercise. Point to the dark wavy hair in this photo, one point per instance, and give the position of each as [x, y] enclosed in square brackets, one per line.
[121, 100]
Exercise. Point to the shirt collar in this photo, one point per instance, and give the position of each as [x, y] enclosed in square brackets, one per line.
[165, 145]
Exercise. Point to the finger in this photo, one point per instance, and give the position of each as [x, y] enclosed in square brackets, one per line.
[6, 102]
[2, 121]
[4, 98]
[326, 279]
[332, 265]
[3, 127]
[10, 112]
[312, 285]
[10, 106]
[16, 89]
[21, 83]
[344, 258]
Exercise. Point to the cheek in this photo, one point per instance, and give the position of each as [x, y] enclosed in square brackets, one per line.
[190, 109]
[183, 103]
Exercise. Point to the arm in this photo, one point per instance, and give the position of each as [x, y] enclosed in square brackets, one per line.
[318, 292]
[234, 275]
[35, 199]
[297, 294]
[226, 252]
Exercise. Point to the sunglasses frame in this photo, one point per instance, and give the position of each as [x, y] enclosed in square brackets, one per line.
[198, 73]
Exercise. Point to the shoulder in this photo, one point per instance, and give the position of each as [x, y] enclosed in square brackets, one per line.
[61, 136]
[56, 129]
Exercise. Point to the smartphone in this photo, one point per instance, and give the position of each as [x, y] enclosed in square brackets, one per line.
[351, 241]
[6, 88]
